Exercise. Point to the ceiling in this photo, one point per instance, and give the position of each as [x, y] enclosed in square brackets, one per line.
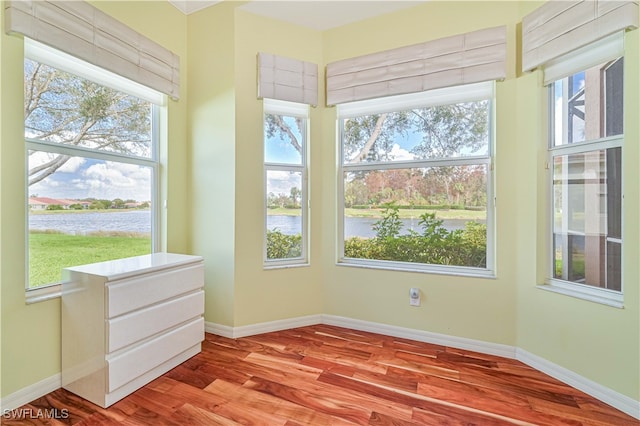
[316, 14]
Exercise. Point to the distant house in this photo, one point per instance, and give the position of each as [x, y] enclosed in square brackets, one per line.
[84, 204]
[41, 203]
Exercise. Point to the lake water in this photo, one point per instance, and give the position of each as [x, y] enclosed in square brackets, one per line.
[82, 223]
[140, 221]
[355, 226]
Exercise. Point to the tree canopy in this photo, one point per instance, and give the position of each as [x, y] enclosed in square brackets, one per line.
[63, 108]
[433, 132]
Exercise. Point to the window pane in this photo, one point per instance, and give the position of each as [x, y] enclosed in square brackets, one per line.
[588, 105]
[283, 139]
[426, 133]
[284, 214]
[614, 96]
[67, 109]
[587, 216]
[434, 215]
[85, 211]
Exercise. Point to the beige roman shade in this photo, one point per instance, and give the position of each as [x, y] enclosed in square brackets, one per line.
[81, 30]
[560, 27]
[287, 79]
[451, 61]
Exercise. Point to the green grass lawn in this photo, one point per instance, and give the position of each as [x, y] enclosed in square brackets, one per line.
[403, 213]
[416, 213]
[50, 252]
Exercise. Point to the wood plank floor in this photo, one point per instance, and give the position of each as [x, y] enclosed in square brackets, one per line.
[325, 375]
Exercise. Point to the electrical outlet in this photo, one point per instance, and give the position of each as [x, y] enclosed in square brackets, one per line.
[414, 297]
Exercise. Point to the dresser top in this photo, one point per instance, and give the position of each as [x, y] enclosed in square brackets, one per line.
[122, 268]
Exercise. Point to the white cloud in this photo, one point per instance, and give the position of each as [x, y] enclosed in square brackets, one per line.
[400, 154]
[82, 178]
[281, 182]
[117, 180]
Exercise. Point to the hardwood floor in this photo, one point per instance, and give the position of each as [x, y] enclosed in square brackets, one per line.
[325, 375]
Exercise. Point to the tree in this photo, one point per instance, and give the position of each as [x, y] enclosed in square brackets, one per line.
[371, 137]
[445, 130]
[435, 132]
[66, 109]
[451, 129]
[296, 196]
[276, 126]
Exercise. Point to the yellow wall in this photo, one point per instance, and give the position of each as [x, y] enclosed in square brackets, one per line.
[30, 334]
[227, 186]
[267, 295]
[476, 308]
[216, 199]
[213, 144]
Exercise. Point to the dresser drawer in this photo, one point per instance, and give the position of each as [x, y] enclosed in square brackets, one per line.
[131, 364]
[127, 295]
[139, 325]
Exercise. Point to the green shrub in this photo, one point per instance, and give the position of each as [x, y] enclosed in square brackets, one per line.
[435, 245]
[390, 224]
[283, 246]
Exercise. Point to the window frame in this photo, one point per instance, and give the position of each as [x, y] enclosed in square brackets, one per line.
[54, 58]
[444, 96]
[299, 110]
[572, 65]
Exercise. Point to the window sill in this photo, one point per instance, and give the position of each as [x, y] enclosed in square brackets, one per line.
[268, 267]
[591, 294]
[460, 271]
[43, 294]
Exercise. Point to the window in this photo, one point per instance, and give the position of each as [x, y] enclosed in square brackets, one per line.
[285, 177]
[417, 181]
[585, 151]
[92, 164]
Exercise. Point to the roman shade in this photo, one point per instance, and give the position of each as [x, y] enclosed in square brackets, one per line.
[83, 31]
[461, 59]
[560, 27]
[287, 79]
[598, 52]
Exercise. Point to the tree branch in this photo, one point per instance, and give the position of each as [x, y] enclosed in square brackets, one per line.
[286, 130]
[364, 152]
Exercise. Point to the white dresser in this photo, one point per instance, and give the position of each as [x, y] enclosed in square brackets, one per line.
[127, 321]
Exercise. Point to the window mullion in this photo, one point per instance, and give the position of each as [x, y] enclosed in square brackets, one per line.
[79, 151]
[443, 162]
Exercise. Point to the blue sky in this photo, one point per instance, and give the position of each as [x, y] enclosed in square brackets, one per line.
[87, 178]
[281, 151]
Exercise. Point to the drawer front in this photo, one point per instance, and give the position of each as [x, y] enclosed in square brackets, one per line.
[138, 325]
[140, 359]
[135, 293]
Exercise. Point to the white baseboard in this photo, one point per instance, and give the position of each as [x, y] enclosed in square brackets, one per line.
[615, 399]
[31, 392]
[262, 327]
[355, 324]
[497, 349]
[218, 329]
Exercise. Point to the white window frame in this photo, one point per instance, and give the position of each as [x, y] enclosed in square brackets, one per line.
[444, 96]
[289, 109]
[599, 52]
[46, 55]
